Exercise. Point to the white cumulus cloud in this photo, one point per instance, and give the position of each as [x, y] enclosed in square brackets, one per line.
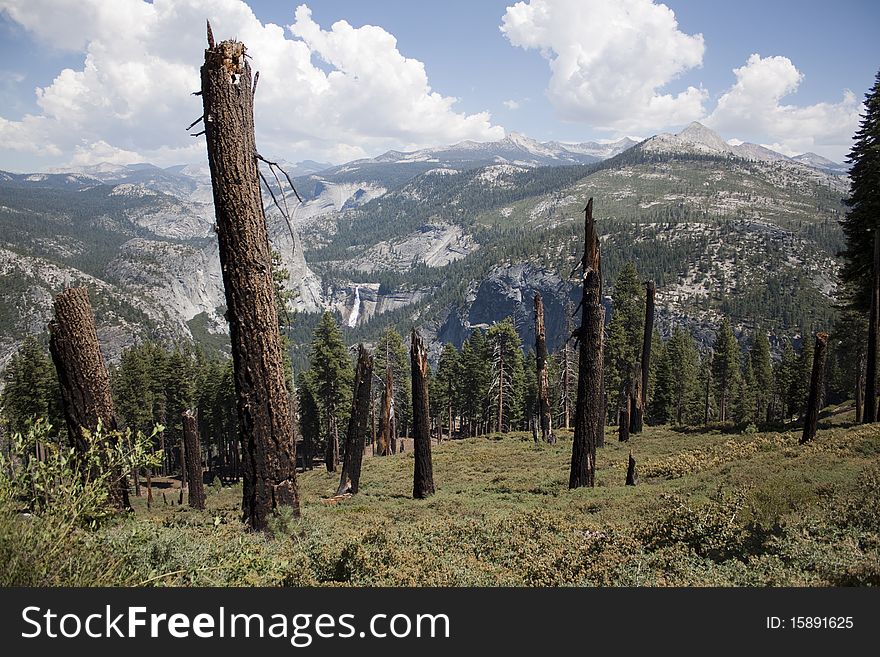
[753, 108]
[511, 104]
[610, 60]
[328, 94]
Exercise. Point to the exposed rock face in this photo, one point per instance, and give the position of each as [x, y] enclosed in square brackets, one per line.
[508, 291]
[435, 245]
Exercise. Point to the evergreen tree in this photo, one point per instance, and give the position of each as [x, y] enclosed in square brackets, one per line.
[863, 216]
[309, 418]
[390, 348]
[31, 389]
[444, 387]
[745, 402]
[682, 363]
[762, 368]
[661, 405]
[784, 375]
[530, 412]
[625, 331]
[803, 371]
[331, 372]
[475, 382]
[505, 348]
[725, 368]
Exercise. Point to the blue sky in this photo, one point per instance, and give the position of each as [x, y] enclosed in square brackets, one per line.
[85, 81]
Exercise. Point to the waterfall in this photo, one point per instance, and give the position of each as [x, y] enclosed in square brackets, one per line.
[356, 309]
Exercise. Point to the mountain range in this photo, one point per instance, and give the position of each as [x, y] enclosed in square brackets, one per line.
[449, 238]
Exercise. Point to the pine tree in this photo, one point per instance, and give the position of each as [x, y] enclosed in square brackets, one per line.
[661, 405]
[784, 375]
[444, 387]
[803, 369]
[725, 368]
[331, 372]
[391, 349]
[683, 360]
[762, 367]
[475, 382]
[505, 348]
[863, 216]
[31, 389]
[625, 331]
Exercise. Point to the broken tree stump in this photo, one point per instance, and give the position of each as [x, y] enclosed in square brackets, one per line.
[631, 477]
[263, 403]
[355, 438]
[423, 472]
[83, 378]
[817, 383]
[545, 415]
[193, 452]
[588, 429]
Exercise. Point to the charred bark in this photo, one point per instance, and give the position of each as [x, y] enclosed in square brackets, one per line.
[631, 477]
[263, 402]
[83, 378]
[355, 438]
[193, 456]
[589, 407]
[637, 410]
[623, 419]
[817, 383]
[650, 291]
[544, 413]
[869, 413]
[423, 473]
[386, 424]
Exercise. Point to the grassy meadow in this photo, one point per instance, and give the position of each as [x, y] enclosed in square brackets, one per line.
[715, 508]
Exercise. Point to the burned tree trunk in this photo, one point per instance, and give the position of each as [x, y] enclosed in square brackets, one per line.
[860, 391]
[869, 413]
[386, 425]
[331, 453]
[647, 337]
[83, 377]
[631, 477]
[263, 402]
[817, 383]
[355, 438]
[193, 457]
[637, 410]
[423, 474]
[589, 407]
[623, 418]
[542, 377]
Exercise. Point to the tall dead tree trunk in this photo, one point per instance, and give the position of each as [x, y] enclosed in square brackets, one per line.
[566, 366]
[860, 390]
[589, 407]
[193, 456]
[637, 410]
[386, 425]
[870, 411]
[423, 473]
[355, 438]
[544, 413]
[817, 383]
[647, 338]
[83, 378]
[263, 403]
[623, 418]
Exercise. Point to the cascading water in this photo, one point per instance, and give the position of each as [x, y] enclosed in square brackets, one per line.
[356, 310]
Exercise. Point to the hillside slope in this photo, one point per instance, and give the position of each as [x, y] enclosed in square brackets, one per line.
[710, 509]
